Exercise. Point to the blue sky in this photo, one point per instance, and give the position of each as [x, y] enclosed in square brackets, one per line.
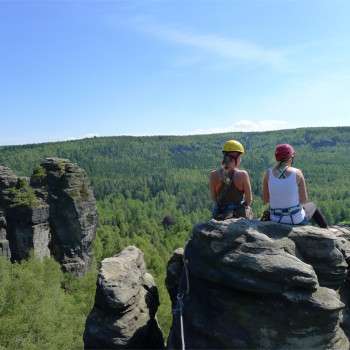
[71, 69]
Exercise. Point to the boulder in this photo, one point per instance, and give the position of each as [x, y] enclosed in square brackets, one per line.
[259, 285]
[342, 233]
[123, 316]
[174, 270]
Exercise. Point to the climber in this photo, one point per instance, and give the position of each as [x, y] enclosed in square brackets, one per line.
[284, 188]
[229, 186]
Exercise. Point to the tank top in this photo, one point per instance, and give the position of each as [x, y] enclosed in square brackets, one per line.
[284, 193]
[230, 194]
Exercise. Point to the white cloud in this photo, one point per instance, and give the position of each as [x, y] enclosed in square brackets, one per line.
[246, 125]
[10, 142]
[318, 101]
[228, 48]
[259, 125]
[71, 138]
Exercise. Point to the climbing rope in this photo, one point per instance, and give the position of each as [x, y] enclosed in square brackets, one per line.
[180, 305]
[180, 295]
[185, 261]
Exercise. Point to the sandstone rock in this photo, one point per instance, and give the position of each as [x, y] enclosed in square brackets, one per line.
[342, 234]
[259, 285]
[343, 242]
[7, 178]
[26, 218]
[29, 230]
[4, 243]
[52, 213]
[73, 215]
[126, 302]
[174, 270]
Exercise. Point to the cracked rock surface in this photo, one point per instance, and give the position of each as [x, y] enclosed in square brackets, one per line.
[260, 285]
[123, 316]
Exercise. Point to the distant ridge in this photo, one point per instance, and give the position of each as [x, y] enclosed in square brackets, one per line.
[170, 135]
[127, 165]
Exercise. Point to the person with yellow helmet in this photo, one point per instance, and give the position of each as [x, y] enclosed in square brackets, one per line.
[229, 186]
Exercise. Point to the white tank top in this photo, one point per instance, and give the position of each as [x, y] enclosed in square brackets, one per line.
[284, 193]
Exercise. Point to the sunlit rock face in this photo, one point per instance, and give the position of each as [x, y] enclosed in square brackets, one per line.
[123, 316]
[24, 225]
[73, 214]
[259, 285]
[343, 243]
[4, 243]
[51, 214]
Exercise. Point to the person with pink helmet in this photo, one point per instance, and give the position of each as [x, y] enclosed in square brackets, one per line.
[284, 189]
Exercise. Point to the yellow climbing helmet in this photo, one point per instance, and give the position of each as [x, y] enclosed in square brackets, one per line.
[233, 146]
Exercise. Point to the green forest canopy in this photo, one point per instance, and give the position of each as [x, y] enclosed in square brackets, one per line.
[139, 181]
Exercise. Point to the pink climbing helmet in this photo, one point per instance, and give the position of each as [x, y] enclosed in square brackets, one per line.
[284, 151]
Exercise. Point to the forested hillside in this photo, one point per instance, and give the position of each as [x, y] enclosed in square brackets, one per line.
[142, 167]
[139, 181]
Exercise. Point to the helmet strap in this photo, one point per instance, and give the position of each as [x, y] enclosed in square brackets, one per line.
[282, 167]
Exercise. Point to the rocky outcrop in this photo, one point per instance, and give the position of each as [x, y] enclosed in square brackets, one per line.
[123, 316]
[73, 215]
[4, 243]
[343, 243]
[28, 230]
[259, 285]
[8, 179]
[24, 225]
[53, 213]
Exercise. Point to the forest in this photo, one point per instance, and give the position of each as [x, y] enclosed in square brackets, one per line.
[150, 192]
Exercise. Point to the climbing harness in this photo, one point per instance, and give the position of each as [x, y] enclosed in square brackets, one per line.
[226, 212]
[182, 292]
[281, 212]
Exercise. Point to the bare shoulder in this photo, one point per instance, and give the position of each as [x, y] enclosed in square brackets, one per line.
[242, 173]
[215, 174]
[299, 175]
[298, 172]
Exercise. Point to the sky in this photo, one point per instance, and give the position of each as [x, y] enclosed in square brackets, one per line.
[72, 69]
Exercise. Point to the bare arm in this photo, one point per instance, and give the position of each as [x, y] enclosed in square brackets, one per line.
[303, 197]
[266, 194]
[247, 188]
[212, 182]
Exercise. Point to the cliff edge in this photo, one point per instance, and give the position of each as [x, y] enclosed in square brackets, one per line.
[258, 285]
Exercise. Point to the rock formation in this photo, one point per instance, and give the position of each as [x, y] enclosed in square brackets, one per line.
[126, 302]
[343, 243]
[259, 285]
[4, 243]
[25, 218]
[53, 213]
[73, 216]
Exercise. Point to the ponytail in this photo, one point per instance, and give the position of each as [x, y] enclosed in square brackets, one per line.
[229, 157]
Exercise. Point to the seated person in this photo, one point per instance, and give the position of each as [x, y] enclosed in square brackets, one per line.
[284, 188]
[229, 186]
